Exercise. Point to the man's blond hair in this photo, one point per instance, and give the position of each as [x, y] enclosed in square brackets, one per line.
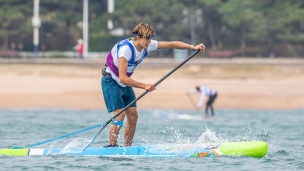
[143, 30]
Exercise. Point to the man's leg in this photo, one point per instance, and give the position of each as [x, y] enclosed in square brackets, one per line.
[212, 110]
[211, 102]
[114, 129]
[206, 110]
[113, 97]
[130, 128]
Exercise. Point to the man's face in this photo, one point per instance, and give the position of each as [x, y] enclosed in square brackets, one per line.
[144, 42]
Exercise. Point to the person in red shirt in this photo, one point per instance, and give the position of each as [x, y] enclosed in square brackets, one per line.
[79, 48]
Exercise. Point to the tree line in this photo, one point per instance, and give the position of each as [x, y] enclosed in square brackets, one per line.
[246, 27]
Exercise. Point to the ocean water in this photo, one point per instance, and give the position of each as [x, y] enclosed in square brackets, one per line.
[283, 130]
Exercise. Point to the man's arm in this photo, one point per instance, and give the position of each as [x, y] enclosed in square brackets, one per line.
[123, 67]
[201, 101]
[179, 45]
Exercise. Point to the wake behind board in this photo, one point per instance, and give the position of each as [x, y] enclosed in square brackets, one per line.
[256, 149]
[193, 117]
[171, 115]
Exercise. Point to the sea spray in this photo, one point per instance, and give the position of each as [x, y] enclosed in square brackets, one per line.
[209, 138]
[77, 145]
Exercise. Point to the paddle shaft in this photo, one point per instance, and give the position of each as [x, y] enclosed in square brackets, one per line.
[192, 101]
[139, 97]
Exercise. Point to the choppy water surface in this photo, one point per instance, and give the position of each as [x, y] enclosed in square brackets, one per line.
[282, 130]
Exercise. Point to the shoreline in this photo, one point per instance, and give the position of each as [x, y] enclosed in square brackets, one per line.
[247, 85]
[157, 62]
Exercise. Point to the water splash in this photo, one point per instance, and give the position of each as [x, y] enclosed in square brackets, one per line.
[209, 138]
[52, 145]
[77, 145]
[178, 138]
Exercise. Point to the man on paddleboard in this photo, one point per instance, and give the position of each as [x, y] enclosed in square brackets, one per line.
[117, 84]
[205, 92]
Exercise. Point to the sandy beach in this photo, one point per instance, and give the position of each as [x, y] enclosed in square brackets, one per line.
[75, 84]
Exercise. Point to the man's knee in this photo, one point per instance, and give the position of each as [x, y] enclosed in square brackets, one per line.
[132, 114]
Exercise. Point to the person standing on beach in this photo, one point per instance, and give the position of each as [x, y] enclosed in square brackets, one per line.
[205, 92]
[79, 48]
[117, 84]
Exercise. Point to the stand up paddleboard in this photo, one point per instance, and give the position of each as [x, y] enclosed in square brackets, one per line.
[255, 149]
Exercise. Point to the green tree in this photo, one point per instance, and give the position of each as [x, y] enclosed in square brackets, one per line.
[245, 17]
[15, 24]
[59, 21]
[226, 24]
[285, 24]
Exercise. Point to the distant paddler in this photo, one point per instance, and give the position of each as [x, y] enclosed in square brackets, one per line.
[204, 91]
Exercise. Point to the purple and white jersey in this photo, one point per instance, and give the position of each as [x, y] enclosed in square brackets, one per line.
[126, 52]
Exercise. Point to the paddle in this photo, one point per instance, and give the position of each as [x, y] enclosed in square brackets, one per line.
[192, 101]
[139, 97]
